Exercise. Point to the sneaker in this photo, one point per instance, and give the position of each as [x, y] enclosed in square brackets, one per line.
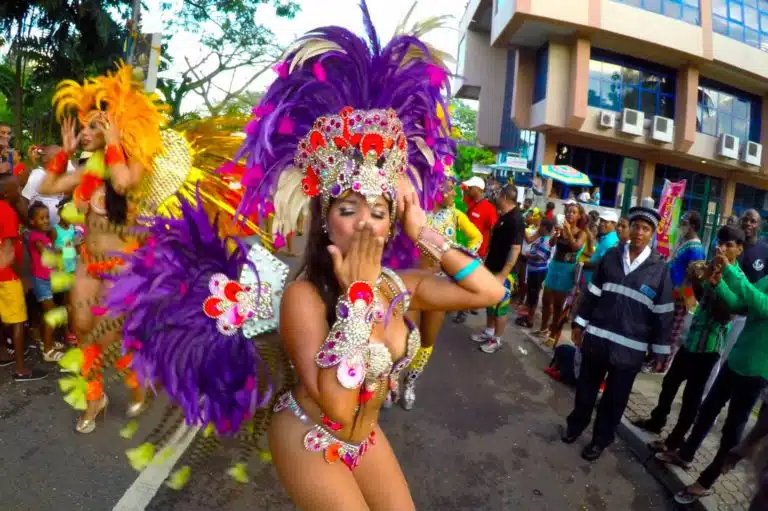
[491, 346]
[409, 397]
[33, 375]
[479, 337]
[53, 355]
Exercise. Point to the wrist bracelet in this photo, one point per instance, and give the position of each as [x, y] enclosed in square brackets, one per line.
[432, 244]
[114, 155]
[345, 344]
[466, 271]
[58, 165]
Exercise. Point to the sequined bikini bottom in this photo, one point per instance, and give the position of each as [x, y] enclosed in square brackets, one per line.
[321, 438]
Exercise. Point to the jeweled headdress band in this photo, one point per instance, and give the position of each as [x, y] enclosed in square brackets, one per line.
[360, 151]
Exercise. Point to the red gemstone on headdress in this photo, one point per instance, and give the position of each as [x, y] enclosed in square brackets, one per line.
[340, 143]
[372, 142]
[211, 306]
[361, 291]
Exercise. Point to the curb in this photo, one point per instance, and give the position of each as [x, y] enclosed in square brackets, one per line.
[672, 477]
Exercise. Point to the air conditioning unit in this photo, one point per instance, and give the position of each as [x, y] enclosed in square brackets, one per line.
[662, 129]
[607, 119]
[632, 122]
[728, 146]
[752, 153]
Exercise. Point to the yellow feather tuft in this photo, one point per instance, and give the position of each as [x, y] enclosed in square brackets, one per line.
[308, 48]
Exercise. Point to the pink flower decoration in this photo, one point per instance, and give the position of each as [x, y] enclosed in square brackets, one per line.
[279, 241]
[251, 127]
[448, 160]
[319, 71]
[439, 166]
[430, 140]
[437, 75]
[281, 68]
[285, 126]
[263, 110]
[253, 175]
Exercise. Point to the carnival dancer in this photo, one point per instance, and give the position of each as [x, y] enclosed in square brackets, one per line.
[345, 121]
[449, 222]
[628, 303]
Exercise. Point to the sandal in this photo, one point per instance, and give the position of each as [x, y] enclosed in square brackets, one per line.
[56, 346]
[53, 355]
[550, 342]
[672, 458]
[687, 497]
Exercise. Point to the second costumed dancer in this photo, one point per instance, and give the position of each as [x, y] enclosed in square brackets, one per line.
[345, 125]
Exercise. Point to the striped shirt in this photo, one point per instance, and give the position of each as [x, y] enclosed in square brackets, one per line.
[542, 251]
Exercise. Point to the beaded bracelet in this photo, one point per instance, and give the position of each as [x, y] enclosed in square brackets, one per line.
[58, 165]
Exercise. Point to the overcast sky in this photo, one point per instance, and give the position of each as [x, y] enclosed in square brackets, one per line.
[386, 15]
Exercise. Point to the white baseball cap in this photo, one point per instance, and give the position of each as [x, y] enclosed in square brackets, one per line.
[475, 181]
[609, 216]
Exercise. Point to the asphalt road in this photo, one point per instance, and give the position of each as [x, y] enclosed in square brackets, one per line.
[484, 436]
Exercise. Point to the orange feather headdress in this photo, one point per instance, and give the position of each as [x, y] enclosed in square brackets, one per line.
[140, 116]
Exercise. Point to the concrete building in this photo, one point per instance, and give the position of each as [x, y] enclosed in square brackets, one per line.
[582, 74]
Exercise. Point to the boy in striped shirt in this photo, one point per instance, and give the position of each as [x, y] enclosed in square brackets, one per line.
[537, 258]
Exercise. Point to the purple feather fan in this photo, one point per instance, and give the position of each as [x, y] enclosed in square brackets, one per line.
[359, 73]
[215, 378]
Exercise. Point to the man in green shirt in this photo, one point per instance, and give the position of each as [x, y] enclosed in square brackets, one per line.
[699, 352]
[739, 383]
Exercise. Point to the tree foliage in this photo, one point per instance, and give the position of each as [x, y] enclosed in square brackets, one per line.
[47, 41]
[236, 51]
[464, 119]
[466, 155]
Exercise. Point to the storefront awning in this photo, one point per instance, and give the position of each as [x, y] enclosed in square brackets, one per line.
[565, 174]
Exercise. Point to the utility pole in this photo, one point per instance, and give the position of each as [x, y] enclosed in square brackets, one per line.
[133, 31]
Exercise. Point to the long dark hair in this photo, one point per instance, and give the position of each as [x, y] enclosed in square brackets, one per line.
[316, 264]
[117, 205]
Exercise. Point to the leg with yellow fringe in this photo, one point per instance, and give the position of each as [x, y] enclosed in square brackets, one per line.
[431, 323]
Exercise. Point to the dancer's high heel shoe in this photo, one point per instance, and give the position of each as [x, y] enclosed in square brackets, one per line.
[136, 408]
[88, 425]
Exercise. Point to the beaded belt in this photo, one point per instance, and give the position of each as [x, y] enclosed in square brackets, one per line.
[320, 439]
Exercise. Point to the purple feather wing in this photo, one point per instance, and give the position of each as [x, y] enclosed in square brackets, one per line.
[215, 378]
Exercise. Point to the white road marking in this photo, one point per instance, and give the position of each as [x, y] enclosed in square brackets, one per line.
[143, 490]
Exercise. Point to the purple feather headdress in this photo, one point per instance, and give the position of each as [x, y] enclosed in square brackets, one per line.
[324, 72]
[217, 378]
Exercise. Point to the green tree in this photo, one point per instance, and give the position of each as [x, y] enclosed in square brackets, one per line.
[234, 44]
[466, 155]
[464, 119]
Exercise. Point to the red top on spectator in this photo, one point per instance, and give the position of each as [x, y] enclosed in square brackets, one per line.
[483, 215]
[9, 229]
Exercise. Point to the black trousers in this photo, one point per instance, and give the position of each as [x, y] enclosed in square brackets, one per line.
[535, 282]
[743, 393]
[694, 368]
[595, 364]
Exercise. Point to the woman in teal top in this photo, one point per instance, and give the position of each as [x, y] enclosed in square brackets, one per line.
[64, 243]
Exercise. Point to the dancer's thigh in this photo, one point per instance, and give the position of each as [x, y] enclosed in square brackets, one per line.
[84, 292]
[312, 484]
[431, 324]
[381, 480]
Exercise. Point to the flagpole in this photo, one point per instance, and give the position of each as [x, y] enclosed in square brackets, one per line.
[133, 30]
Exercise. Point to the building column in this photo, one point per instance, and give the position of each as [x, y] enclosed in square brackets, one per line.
[726, 197]
[577, 102]
[705, 15]
[548, 156]
[522, 88]
[685, 107]
[647, 174]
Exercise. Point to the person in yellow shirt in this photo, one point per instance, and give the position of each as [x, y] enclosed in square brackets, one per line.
[448, 221]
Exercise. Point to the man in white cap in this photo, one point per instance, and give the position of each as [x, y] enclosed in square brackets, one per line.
[607, 239]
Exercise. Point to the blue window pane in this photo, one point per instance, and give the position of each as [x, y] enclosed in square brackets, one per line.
[667, 105]
[611, 72]
[673, 9]
[751, 19]
[692, 3]
[750, 3]
[630, 76]
[593, 99]
[724, 123]
[751, 37]
[740, 128]
[720, 8]
[736, 31]
[610, 93]
[691, 15]
[763, 5]
[631, 98]
[741, 108]
[764, 21]
[719, 25]
[725, 103]
[652, 5]
[734, 11]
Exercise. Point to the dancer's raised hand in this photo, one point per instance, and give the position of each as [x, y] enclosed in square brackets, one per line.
[362, 262]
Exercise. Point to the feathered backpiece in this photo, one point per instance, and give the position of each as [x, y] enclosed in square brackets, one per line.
[190, 313]
[140, 116]
[347, 114]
